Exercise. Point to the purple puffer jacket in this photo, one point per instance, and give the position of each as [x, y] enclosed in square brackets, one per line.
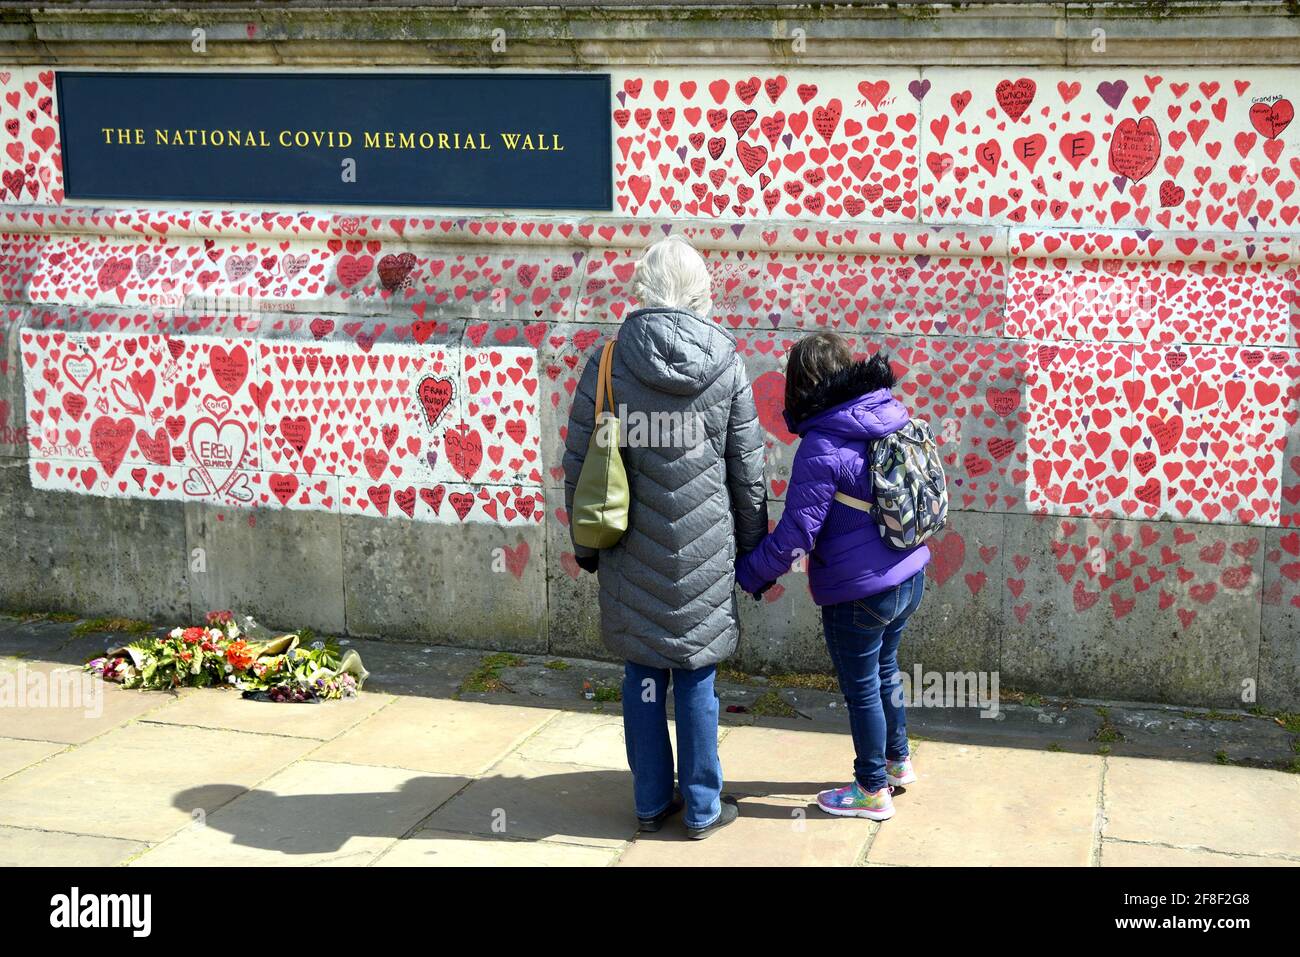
[846, 558]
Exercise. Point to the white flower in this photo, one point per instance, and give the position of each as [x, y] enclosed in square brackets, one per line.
[175, 633]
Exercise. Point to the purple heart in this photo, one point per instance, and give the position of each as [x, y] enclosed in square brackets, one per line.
[681, 151]
[1178, 404]
[918, 88]
[921, 261]
[1254, 222]
[941, 327]
[774, 318]
[577, 259]
[432, 456]
[1250, 250]
[738, 229]
[1120, 182]
[787, 140]
[1085, 419]
[1142, 234]
[1112, 93]
[622, 98]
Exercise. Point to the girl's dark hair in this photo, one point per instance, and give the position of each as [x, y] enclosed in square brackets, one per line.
[814, 358]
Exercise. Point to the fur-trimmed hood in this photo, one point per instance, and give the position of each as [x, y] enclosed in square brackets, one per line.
[855, 402]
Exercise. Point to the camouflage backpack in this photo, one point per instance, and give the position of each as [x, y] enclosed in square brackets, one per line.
[908, 485]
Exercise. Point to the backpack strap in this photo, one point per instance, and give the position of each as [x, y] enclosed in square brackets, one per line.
[860, 504]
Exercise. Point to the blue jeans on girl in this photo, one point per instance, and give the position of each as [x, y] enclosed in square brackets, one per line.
[862, 637]
[650, 751]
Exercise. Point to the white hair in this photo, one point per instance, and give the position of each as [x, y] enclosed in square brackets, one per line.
[672, 275]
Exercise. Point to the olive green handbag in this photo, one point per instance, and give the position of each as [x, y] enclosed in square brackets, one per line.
[601, 497]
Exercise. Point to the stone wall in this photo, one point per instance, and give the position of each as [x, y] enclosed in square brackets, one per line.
[352, 419]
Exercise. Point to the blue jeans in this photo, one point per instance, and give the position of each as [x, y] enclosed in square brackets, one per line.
[862, 637]
[650, 752]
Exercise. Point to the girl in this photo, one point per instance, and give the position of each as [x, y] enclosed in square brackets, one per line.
[866, 590]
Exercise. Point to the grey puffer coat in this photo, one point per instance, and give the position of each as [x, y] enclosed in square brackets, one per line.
[693, 449]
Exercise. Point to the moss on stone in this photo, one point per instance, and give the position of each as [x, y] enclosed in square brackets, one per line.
[770, 704]
[111, 626]
[486, 678]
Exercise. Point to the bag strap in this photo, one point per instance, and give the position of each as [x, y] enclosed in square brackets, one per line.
[605, 379]
[852, 502]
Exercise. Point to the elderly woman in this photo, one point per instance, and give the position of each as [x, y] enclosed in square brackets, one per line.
[667, 604]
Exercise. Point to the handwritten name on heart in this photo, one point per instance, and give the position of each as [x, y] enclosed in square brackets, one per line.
[109, 440]
[1135, 148]
[435, 395]
[230, 369]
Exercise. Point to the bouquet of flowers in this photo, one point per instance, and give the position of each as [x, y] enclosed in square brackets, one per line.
[294, 667]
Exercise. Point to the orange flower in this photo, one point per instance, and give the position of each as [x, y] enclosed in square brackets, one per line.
[237, 655]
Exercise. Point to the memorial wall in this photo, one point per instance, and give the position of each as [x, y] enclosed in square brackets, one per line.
[303, 342]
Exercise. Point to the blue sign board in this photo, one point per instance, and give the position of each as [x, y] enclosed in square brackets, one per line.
[472, 140]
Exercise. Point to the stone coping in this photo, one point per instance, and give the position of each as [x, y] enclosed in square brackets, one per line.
[564, 32]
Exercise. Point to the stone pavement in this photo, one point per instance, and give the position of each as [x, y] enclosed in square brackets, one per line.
[423, 770]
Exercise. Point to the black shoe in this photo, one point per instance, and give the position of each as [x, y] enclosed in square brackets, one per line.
[730, 811]
[651, 824]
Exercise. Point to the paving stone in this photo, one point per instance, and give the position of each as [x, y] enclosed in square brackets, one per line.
[141, 782]
[73, 706]
[312, 813]
[21, 847]
[538, 800]
[17, 754]
[230, 711]
[993, 806]
[452, 737]
[780, 761]
[769, 833]
[443, 849]
[595, 740]
[1186, 804]
[1123, 854]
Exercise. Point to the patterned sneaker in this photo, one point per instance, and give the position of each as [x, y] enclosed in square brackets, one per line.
[853, 801]
[900, 772]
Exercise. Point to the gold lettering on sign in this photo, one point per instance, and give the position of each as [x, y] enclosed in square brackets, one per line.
[459, 140]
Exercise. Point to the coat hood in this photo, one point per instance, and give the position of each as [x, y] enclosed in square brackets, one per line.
[855, 403]
[674, 351]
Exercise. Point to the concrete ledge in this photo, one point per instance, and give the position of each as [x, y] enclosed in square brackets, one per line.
[587, 34]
